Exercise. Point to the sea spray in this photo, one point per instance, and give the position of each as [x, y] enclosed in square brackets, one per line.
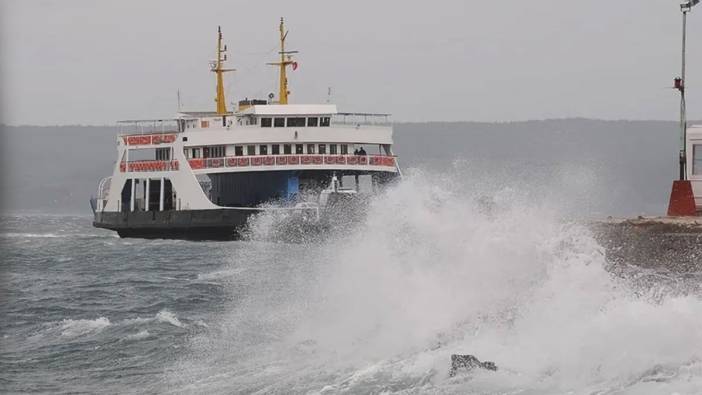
[435, 269]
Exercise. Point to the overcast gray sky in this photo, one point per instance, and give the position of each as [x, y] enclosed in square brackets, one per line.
[95, 62]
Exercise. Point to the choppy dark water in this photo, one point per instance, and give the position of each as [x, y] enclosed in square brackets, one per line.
[379, 309]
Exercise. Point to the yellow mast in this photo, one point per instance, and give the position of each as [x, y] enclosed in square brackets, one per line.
[285, 60]
[217, 68]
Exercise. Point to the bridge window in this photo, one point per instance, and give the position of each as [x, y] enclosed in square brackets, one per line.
[238, 150]
[250, 150]
[310, 148]
[279, 122]
[275, 149]
[697, 159]
[312, 121]
[296, 122]
[266, 122]
[322, 149]
[287, 149]
[299, 149]
[263, 149]
[324, 121]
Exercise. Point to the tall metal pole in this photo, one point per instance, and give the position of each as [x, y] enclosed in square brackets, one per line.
[683, 115]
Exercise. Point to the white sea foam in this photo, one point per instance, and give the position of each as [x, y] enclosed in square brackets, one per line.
[170, 318]
[143, 334]
[435, 271]
[32, 235]
[75, 328]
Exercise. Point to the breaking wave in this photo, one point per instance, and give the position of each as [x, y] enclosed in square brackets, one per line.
[437, 268]
[74, 328]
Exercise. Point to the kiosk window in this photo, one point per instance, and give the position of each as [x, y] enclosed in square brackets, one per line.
[250, 150]
[275, 149]
[263, 149]
[322, 149]
[287, 149]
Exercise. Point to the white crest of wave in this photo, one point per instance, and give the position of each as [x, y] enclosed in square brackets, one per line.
[170, 318]
[143, 334]
[436, 270]
[74, 328]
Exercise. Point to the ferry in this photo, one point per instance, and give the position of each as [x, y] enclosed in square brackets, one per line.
[202, 175]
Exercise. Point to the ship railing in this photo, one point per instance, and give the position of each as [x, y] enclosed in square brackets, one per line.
[148, 126]
[358, 119]
[292, 160]
[104, 188]
[149, 165]
[98, 202]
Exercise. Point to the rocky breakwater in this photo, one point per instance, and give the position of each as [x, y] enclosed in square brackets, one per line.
[652, 242]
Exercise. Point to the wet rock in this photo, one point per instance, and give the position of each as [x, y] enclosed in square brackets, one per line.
[468, 362]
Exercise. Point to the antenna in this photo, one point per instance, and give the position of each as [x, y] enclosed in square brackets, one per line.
[178, 100]
[329, 94]
[285, 60]
[216, 66]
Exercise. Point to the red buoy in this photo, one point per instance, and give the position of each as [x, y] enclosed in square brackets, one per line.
[682, 200]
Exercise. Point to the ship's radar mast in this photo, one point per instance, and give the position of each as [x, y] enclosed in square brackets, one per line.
[217, 66]
[285, 61]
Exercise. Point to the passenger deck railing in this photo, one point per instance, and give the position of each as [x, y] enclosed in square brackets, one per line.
[291, 160]
[149, 139]
[149, 165]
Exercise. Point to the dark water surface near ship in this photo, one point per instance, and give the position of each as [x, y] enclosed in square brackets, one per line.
[376, 309]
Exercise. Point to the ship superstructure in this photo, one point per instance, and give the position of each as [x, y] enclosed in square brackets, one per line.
[202, 174]
[694, 163]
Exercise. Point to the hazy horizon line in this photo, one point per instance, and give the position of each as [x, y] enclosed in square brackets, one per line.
[114, 125]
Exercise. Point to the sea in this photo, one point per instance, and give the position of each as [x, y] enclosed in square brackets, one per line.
[487, 254]
[377, 308]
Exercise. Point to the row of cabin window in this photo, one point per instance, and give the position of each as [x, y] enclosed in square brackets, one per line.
[219, 151]
[310, 122]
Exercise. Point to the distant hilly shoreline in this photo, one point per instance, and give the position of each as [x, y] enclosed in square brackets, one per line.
[603, 167]
[396, 122]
